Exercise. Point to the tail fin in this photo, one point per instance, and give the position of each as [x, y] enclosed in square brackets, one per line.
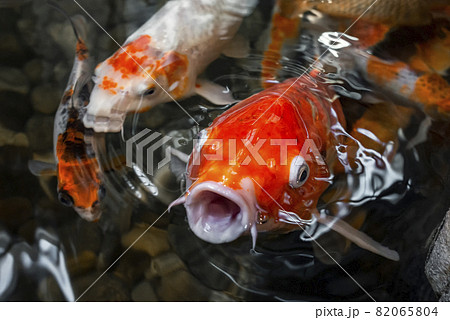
[78, 22]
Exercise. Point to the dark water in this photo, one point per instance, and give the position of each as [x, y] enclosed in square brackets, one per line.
[48, 253]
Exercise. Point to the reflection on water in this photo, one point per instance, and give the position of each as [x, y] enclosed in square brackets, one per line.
[397, 194]
[45, 256]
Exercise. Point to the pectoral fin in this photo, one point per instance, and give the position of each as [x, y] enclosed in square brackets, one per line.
[214, 92]
[40, 168]
[237, 48]
[178, 163]
[357, 237]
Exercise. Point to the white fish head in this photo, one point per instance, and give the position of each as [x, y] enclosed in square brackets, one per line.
[136, 78]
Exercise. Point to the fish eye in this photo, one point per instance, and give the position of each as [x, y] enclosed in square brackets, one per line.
[65, 198]
[149, 91]
[101, 192]
[299, 172]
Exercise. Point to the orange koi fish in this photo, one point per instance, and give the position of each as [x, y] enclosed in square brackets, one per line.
[263, 164]
[161, 60]
[77, 169]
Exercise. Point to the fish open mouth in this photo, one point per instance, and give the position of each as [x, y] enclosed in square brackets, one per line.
[218, 214]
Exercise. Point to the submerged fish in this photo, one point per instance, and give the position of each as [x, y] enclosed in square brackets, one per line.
[263, 164]
[77, 168]
[161, 60]
[370, 22]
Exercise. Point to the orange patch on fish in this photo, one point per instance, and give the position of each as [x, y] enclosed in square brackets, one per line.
[108, 84]
[67, 95]
[434, 93]
[131, 59]
[433, 55]
[81, 50]
[78, 174]
[368, 33]
[381, 72]
[174, 66]
[282, 28]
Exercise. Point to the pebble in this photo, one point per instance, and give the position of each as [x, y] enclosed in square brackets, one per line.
[131, 266]
[63, 35]
[81, 235]
[12, 138]
[110, 250]
[45, 99]
[27, 28]
[437, 267]
[39, 130]
[33, 69]
[13, 79]
[11, 51]
[182, 286]
[164, 264]
[84, 262]
[149, 217]
[144, 292]
[15, 109]
[154, 241]
[217, 296]
[107, 288]
[196, 254]
[15, 212]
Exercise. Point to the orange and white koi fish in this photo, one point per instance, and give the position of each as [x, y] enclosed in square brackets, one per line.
[429, 91]
[369, 21]
[77, 169]
[263, 164]
[161, 60]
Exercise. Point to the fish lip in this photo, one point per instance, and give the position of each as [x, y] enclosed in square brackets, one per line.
[214, 229]
[103, 124]
[105, 113]
[91, 214]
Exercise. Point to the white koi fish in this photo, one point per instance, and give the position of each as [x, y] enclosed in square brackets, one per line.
[161, 60]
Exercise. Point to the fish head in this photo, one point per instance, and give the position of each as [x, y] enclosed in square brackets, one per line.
[244, 173]
[134, 79]
[79, 187]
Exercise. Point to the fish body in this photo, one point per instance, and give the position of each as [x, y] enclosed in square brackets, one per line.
[261, 164]
[427, 90]
[77, 169]
[161, 60]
